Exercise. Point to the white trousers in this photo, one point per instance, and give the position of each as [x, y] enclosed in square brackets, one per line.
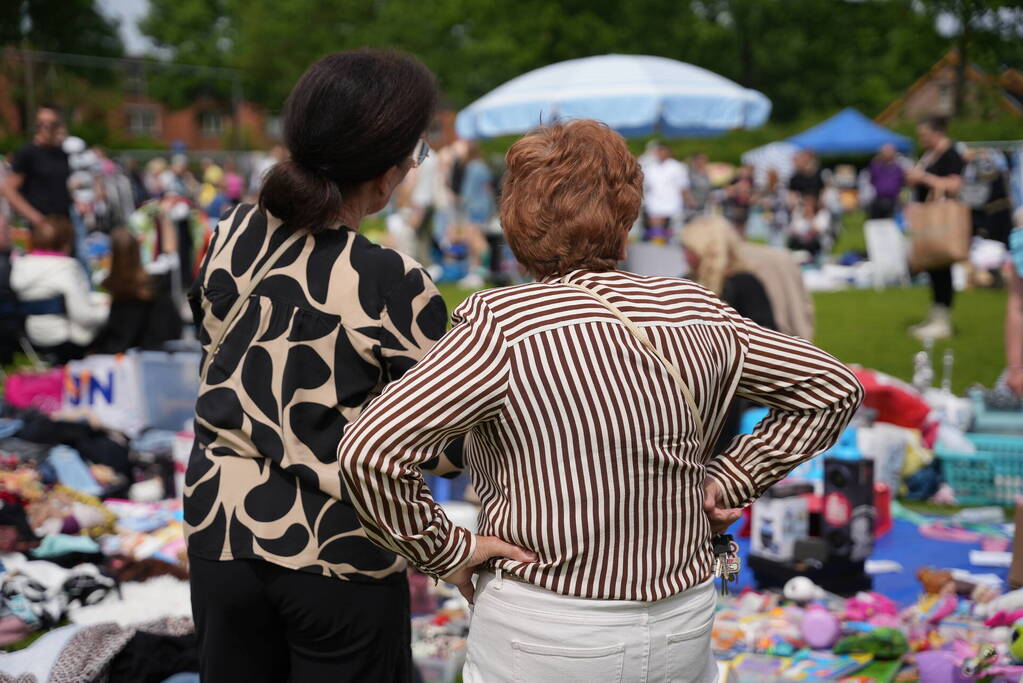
[525, 634]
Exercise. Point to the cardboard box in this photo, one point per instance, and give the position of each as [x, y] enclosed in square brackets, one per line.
[777, 524]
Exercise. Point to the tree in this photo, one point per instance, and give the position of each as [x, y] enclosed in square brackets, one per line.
[73, 26]
[194, 32]
[808, 56]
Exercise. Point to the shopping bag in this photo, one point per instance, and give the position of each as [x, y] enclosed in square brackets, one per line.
[35, 390]
[109, 388]
[939, 233]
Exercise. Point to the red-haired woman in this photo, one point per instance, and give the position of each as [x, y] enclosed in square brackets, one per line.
[591, 400]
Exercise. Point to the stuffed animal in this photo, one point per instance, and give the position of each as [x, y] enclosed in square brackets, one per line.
[802, 590]
[883, 643]
[1016, 643]
[936, 581]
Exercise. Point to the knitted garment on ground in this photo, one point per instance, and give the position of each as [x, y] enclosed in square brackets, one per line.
[87, 656]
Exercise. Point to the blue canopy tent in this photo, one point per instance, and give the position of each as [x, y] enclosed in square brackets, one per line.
[849, 132]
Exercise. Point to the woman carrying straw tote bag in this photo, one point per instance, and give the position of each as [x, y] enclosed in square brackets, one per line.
[939, 224]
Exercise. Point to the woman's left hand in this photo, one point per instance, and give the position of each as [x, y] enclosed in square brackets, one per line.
[486, 548]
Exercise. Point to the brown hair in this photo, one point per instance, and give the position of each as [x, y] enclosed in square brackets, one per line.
[351, 117]
[54, 234]
[571, 192]
[128, 280]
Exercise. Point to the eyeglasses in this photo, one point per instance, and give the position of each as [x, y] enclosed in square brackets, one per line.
[420, 153]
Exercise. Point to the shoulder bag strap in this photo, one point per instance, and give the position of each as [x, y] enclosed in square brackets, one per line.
[243, 297]
[642, 337]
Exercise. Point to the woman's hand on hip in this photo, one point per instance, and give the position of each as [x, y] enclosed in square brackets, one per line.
[487, 547]
[720, 517]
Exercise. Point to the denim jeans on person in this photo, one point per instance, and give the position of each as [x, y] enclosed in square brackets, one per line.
[523, 633]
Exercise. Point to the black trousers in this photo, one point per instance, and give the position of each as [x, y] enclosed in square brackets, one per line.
[942, 291]
[882, 207]
[257, 622]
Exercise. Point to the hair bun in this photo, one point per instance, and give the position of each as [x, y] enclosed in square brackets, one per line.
[300, 195]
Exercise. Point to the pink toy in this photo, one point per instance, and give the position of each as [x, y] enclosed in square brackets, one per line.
[820, 628]
[866, 605]
[885, 621]
[1003, 618]
[942, 606]
[940, 666]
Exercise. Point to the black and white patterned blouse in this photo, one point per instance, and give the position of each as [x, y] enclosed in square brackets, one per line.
[328, 327]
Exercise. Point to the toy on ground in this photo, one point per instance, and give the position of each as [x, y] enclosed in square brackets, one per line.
[802, 590]
[934, 608]
[823, 666]
[883, 643]
[867, 606]
[1016, 643]
[936, 581]
[1010, 602]
[975, 667]
[820, 628]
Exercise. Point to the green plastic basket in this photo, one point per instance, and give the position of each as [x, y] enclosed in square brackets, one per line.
[991, 476]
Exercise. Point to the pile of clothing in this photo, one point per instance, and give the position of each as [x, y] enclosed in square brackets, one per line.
[90, 547]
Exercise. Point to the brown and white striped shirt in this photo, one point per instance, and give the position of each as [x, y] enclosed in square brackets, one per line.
[580, 445]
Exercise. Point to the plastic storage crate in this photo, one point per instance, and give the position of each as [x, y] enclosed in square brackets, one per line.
[987, 421]
[991, 476]
[170, 384]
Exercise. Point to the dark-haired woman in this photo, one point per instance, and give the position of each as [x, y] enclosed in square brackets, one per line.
[142, 312]
[939, 172]
[303, 321]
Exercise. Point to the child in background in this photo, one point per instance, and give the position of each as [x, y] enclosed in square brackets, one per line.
[49, 273]
[142, 312]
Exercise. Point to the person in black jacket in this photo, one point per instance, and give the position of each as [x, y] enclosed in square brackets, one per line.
[142, 312]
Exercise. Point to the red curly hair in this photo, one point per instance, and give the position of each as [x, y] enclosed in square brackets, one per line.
[571, 192]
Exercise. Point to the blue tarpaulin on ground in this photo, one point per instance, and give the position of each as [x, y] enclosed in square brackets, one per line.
[849, 132]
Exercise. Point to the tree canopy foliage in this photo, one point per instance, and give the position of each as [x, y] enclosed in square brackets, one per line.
[74, 26]
[806, 55]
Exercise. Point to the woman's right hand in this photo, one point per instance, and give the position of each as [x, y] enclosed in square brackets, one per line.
[487, 547]
[720, 517]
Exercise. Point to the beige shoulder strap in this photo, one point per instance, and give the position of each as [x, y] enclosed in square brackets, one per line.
[640, 335]
[243, 297]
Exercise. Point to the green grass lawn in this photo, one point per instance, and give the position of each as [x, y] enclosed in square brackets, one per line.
[869, 328]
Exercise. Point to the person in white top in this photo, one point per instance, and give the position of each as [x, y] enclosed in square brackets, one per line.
[665, 181]
[48, 272]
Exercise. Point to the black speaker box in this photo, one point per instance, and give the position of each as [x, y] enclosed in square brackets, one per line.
[847, 512]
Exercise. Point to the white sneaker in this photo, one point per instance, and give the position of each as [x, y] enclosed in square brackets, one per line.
[939, 327]
[472, 281]
[928, 319]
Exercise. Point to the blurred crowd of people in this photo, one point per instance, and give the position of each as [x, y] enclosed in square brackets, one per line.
[96, 253]
[112, 245]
